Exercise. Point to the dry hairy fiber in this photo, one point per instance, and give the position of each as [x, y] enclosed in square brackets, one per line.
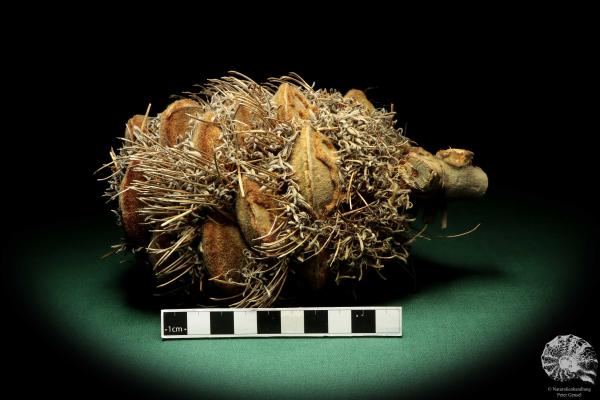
[229, 190]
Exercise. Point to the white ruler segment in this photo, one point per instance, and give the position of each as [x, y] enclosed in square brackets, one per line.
[199, 323]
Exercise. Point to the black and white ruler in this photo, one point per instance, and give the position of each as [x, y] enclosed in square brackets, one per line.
[279, 322]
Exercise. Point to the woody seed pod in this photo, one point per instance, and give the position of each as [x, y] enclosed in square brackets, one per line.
[223, 252]
[135, 121]
[129, 204]
[253, 213]
[292, 104]
[360, 97]
[174, 121]
[314, 161]
[206, 136]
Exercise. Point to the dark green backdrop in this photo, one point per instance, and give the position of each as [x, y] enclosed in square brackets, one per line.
[480, 301]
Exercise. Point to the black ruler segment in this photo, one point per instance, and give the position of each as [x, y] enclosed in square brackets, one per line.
[268, 322]
[221, 323]
[316, 321]
[274, 322]
[175, 323]
[363, 321]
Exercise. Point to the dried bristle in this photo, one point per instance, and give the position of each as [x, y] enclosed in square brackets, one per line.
[130, 204]
[174, 121]
[206, 135]
[360, 98]
[135, 121]
[314, 162]
[223, 251]
[159, 242]
[292, 104]
[254, 213]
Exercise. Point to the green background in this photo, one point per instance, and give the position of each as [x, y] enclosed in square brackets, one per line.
[478, 301]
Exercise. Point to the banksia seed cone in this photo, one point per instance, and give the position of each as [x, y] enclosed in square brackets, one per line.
[230, 190]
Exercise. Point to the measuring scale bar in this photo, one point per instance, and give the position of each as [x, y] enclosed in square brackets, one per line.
[199, 323]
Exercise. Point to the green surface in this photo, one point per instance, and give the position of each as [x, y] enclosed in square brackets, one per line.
[498, 283]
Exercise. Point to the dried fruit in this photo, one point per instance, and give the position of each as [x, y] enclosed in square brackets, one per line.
[314, 162]
[292, 104]
[223, 252]
[134, 122]
[207, 134]
[254, 213]
[175, 121]
[244, 118]
[253, 182]
[130, 204]
[360, 97]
